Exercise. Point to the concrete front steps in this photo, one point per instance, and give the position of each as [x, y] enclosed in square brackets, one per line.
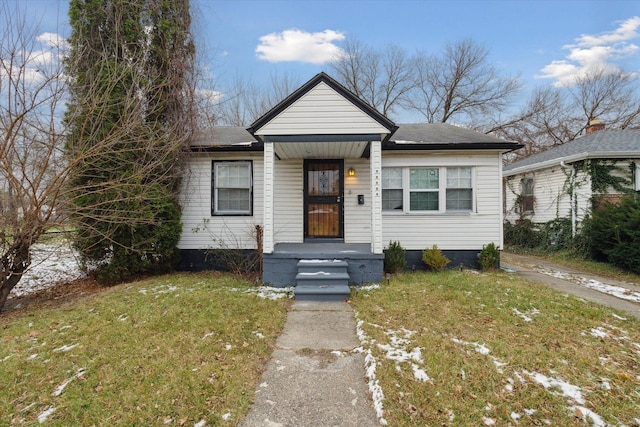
[322, 280]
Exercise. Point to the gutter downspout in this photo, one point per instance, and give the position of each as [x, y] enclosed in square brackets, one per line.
[573, 198]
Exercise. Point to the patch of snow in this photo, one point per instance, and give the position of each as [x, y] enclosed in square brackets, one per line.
[317, 261]
[337, 353]
[515, 416]
[268, 292]
[315, 273]
[370, 364]
[526, 316]
[228, 347]
[419, 374]
[42, 417]
[50, 264]
[616, 291]
[33, 356]
[368, 287]
[65, 348]
[599, 332]
[226, 416]
[480, 348]
[488, 421]
[568, 390]
[200, 423]
[529, 411]
[58, 391]
[160, 289]
[588, 415]
[207, 335]
[6, 358]
[258, 334]
[618, 317]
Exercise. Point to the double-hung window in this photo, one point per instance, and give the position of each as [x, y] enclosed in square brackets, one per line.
[528, 199]
[392, 192]
[424, 189]
[427, 189]
[232, 189]
[459, 189]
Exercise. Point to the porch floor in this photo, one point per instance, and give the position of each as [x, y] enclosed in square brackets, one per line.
[324, 249]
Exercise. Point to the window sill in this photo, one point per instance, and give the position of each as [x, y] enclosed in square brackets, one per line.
[426, 213]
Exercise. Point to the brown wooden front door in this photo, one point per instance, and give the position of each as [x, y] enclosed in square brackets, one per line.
[323, 198]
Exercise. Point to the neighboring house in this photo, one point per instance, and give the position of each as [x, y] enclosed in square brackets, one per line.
[568, 180]
[323, 182]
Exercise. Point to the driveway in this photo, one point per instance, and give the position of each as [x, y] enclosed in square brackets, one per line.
[623, 296]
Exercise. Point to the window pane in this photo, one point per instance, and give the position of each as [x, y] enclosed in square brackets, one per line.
[391, 178]
[423, 201]
[233, 175]
[458, 177]
[233, 200]
[423, 179]
[392, 199]
[459, 199]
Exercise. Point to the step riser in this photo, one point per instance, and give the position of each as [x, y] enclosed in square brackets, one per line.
[322, 280]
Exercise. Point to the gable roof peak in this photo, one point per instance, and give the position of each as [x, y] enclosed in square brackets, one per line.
[322, 77]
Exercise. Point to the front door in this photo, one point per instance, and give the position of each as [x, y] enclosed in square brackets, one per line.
[323, 196]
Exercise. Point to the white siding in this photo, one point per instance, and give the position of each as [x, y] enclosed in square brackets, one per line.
[450, 231]
[322, 111]
[288, 201]
[200, 230]
[357, 218]
[551, 193]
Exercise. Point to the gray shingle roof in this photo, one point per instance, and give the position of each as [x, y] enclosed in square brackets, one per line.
[604, 143]
[430, 133]
[420, 133]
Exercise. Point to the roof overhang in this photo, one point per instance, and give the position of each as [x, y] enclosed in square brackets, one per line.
[504, 147]
[559, 161]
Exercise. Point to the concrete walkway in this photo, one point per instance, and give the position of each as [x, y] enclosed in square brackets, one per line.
[314, 378]
[529, 267]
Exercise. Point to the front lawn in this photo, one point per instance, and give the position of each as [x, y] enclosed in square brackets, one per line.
[175, 350]
[468, 348]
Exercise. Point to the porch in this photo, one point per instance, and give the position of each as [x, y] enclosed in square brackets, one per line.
[282, 266]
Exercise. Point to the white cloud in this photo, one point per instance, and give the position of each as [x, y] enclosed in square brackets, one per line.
[594, 53]
[297, 45]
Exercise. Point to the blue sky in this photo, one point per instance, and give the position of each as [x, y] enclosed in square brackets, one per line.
[545, 42]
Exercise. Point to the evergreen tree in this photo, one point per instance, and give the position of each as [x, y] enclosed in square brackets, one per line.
[131, 64]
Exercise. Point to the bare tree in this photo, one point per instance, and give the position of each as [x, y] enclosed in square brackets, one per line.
[244, 101]
[461, 84]
[556, 115]
[381, 78]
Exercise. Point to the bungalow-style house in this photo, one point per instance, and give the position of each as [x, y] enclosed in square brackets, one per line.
[566, 181]
[323, 182]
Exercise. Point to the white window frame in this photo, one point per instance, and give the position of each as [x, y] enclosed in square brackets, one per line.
[442, 191]
[215, 210]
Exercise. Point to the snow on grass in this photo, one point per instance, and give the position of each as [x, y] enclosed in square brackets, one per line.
[567, 390]
[158, 290]
[50, 265]
[616, 291]
[397, 350]
[268, 292]
[42, 417]
[368, 287]
[58, 391]
[65, 348]
[588, 415]
[527, 316]
[370, 362]
[599, 332]
[484, 350]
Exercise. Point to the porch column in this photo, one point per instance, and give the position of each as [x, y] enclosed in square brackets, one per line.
[375, 158]
[267, 215]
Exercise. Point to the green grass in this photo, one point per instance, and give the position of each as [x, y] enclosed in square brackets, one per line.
[178, 348]
[450, 314]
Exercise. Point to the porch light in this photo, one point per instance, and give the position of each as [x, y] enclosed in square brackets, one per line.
[352, 172]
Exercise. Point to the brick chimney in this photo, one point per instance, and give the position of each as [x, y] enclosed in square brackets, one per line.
[594, 126]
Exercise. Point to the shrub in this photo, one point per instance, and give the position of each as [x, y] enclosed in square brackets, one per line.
[435, 259]
[614, 234]
[395, 258]
[522, 234]
[489, 257]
